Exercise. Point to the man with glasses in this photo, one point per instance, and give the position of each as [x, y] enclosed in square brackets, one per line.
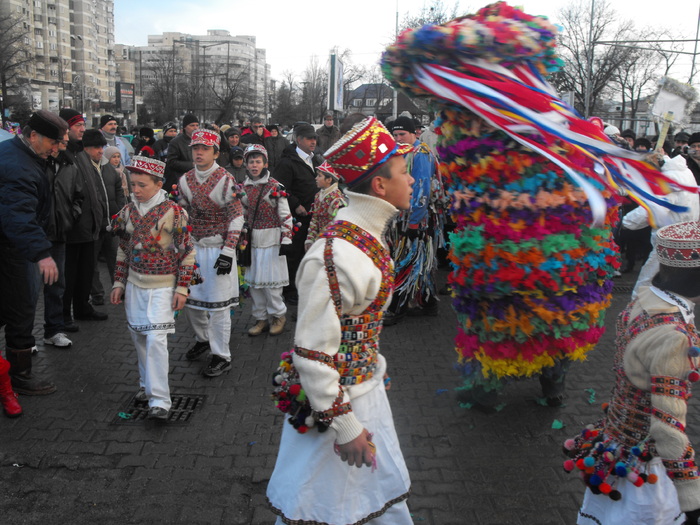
[25, 208]
[255, 134]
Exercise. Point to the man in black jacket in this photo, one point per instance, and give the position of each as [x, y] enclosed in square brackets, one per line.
[67, 193]
[161, 146]
[25, 209]
[296, 171]
[80, 242]
[179, 153]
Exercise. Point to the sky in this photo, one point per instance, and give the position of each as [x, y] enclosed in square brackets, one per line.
[294, 32]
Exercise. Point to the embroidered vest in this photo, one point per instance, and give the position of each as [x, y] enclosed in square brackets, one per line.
[207, 218]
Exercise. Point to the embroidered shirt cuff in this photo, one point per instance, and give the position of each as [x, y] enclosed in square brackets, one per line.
[346, 427]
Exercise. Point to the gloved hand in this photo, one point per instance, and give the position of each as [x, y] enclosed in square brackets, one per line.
[286, 249]
[692, 517]
[223, 264]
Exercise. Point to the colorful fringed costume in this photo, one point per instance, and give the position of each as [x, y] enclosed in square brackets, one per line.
[531, 186]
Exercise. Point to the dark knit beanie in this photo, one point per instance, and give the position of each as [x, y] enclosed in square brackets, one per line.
[105, 119]
[403, 123]
[93, 138]
[147, 132]
[189, 119]
[71, 116]
[694, 139]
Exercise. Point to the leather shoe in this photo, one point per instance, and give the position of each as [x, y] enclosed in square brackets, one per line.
[71, 327]
[92, 316]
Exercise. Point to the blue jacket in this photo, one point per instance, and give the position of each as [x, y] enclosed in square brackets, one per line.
[25, 200]
[421, 166]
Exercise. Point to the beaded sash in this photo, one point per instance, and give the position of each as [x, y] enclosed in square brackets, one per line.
[356, 358]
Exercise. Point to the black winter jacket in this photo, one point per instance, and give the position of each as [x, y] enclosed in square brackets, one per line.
[179, 160]
[112, 185]
[25, 200]
[298, 178]
[67, 191]
[88, 226]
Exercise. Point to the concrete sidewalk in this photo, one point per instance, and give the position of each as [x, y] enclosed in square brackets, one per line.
[67, 461]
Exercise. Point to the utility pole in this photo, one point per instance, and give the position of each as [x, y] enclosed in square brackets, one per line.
[395, 103]
[695, 50]
[589, 65]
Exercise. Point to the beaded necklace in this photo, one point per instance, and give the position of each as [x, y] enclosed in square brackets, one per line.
[681, 304]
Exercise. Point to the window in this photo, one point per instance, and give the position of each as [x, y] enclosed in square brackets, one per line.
[357, 103]
[40, 44]
[370, 102]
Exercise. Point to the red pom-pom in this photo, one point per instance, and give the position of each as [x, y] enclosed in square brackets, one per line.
[174, 186]
[605, 488]
[694, 376]
[638, 482]
[295, 389]
[189, 228]
[580, 465]
[569, 465]
[303, 429]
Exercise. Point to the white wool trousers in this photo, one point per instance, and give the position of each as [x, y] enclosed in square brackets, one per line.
[154, 365]
[213, 326]
[267, 302]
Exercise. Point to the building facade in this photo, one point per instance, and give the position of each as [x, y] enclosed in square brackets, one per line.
[219, 77]
[71, 44]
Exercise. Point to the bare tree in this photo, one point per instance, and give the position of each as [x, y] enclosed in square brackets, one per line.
[14, 54]
[162, 75]
[315, 90]
[287, 109]
[576, 45]
[436, 13]
[228, 90]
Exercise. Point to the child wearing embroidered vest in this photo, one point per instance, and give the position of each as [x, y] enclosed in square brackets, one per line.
[211, 196]
[326, 204]
[155, 262]
[345, 283]
[270, 221]
[638, 463]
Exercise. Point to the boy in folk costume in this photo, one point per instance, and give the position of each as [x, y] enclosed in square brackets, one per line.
[326, 204]
[345, 282]
[155, 262]
[270, 222]
[638, 463]
[211, 196]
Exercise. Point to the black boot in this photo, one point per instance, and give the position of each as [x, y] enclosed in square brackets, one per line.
[23, 382]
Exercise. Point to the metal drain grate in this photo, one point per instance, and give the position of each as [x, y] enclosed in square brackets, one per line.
[623, 289]
[181, 412]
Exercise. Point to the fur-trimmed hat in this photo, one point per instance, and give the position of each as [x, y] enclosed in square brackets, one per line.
[93, 138]
[363, 149]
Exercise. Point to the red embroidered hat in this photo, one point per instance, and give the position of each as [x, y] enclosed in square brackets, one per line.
[362, 150]
[205, 137]
[678, 245]
[147, 166]
[328, 170]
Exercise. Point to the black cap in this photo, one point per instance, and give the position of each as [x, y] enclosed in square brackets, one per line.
[71, 116]
[147, 132]
[236, 152]
[694, 138]
[168, 126]
[105, 119]
[189, 119]
[305, 130]
[93, 138]
[403, 123]
[230, 132]
[681, 136]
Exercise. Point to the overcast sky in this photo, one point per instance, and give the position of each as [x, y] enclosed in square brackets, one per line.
[292, 32]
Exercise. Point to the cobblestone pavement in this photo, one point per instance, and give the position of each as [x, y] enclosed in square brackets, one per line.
[67, 461]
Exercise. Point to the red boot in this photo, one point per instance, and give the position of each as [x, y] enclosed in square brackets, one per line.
[8, 398]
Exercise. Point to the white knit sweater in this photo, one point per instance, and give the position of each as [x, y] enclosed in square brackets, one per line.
[318, 326]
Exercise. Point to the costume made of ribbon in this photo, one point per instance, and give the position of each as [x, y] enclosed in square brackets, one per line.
[619, 446]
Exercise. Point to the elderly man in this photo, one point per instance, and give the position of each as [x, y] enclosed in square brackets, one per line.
[25, 208]
[296, 171]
